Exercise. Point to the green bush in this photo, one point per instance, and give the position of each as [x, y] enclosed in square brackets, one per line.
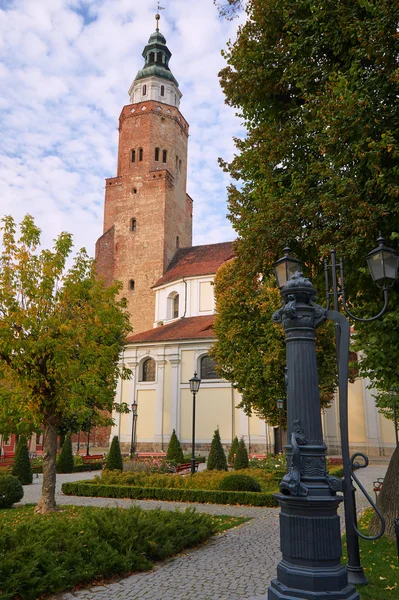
[174, 451]
[11, 491]
[232, 451]
[217, 458]
[239, 483]
[169, 494]
[114, 459]
[65, 462]
[241, 461]
[22, 468]
[48, 554]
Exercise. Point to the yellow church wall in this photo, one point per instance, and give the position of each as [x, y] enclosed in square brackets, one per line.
[187, 365]
[205, 296]
[213, 409]
[236, 400]
[167, 398]
[124, 422]
[146, 411]
[387, 429]
[357, 426]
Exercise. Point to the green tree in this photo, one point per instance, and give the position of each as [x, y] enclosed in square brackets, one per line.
[242, 460]
[316, 86]
[114, 460]
[232, 451]
[65, 463]
[250, 350]
[22, 467]
[217, 458]
[174, 451]
[61, 334]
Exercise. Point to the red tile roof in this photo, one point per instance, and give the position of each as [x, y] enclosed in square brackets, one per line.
[196, 261]
[182, 329]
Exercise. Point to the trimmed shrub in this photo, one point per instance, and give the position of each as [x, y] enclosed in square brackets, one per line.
[217, 458]
[239, 483]
[114, 459]
[22, 468]
[241, 461]
[174, 451]
[232, 451]
[11, 491]
[174, 495]
[65, 462]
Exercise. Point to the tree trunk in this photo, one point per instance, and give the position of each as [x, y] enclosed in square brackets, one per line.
[47, 503]
[388, 501]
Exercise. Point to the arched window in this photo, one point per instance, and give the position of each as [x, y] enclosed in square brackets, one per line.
[208, 368]
[173, 306]
[148, 373]
[131, 285]
[141, 154]
[152, 57]
[156, 154]
[180, 165]
[176, 306]
[177, 242]
[133, 155]
[144, 90]
[134, 190]
[162, 90]
[164, 156]
[133, 224]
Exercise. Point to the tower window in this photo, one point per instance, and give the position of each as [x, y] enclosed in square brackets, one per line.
[140, 154]
[152, 57]
[162, 90]
[157, 154]
[133, 225]
[176, 306]
[180, 165]
[134, 190]
[177, 162]
[133, 155]
[148, 373]
[131, 285]
[164, 156]
[144, 90]
[177, 242]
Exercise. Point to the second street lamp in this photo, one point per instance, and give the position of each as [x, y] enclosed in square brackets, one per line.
[195, 383]
[134, 427]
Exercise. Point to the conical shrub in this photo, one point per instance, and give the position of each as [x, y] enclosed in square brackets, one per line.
[114, 460]
[22, 469]
[233, 451]
[241, 460]
[174, 451]
[65, 462]
[217, 458]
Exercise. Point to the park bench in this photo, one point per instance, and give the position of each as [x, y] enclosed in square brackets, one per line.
[8, 463]
[377, 486]
[258, 456]
[183, 468]
[90, 459]
[151, 454]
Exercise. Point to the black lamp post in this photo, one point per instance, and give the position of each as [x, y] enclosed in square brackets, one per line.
[280, 406]
[195, 383]
[134, 427]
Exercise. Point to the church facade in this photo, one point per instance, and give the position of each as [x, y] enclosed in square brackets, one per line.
[147, 245]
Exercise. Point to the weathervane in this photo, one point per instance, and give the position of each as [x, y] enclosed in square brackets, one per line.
[158, 16]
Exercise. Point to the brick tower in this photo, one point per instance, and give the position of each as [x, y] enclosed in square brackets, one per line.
[147, 212]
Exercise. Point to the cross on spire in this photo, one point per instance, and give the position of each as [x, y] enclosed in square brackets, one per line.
[158, 16]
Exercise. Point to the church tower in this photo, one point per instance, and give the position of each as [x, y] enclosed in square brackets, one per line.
[147, 212]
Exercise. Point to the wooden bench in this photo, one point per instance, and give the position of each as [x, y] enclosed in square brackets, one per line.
[377, 486]
[258, 456]
[151, 454]
[89, 459]
[8, 463]
[183, 468]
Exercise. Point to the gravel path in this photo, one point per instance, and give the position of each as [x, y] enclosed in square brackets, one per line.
[236, 565]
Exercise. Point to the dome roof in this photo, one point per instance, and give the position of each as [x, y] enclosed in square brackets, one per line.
[156, 55]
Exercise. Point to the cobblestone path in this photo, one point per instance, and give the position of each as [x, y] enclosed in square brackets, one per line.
[235, 565]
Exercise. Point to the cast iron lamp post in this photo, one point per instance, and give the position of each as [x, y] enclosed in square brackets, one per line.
[134, 427]
[195, 383]
[280, 406]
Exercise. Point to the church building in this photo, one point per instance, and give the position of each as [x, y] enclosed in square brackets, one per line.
[168, 283]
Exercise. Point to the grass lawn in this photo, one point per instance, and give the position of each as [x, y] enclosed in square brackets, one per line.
[46, 554]
[380, 562]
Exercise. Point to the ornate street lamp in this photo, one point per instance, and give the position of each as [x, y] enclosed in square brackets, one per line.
[285, 267]
[134, 427]
[195, 383]
[280, 406]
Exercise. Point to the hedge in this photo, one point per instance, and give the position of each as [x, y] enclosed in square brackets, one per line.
[94, 466]
[169, 494]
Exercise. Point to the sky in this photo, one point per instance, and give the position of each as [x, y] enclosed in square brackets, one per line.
[65, 68]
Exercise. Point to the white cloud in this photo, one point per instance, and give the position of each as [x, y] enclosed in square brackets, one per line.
[65, 69]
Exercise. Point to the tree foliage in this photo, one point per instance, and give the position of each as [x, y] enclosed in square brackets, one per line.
[232, 451]
[174, 451]
[114, 460]
[65, 462]
[250, 350]
[241, 460]
[217, 458]
[61, 334]
[22, 468]
[229, 8]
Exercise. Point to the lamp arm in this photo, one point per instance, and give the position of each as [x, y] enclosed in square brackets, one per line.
[327, 283]
[345, 307]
